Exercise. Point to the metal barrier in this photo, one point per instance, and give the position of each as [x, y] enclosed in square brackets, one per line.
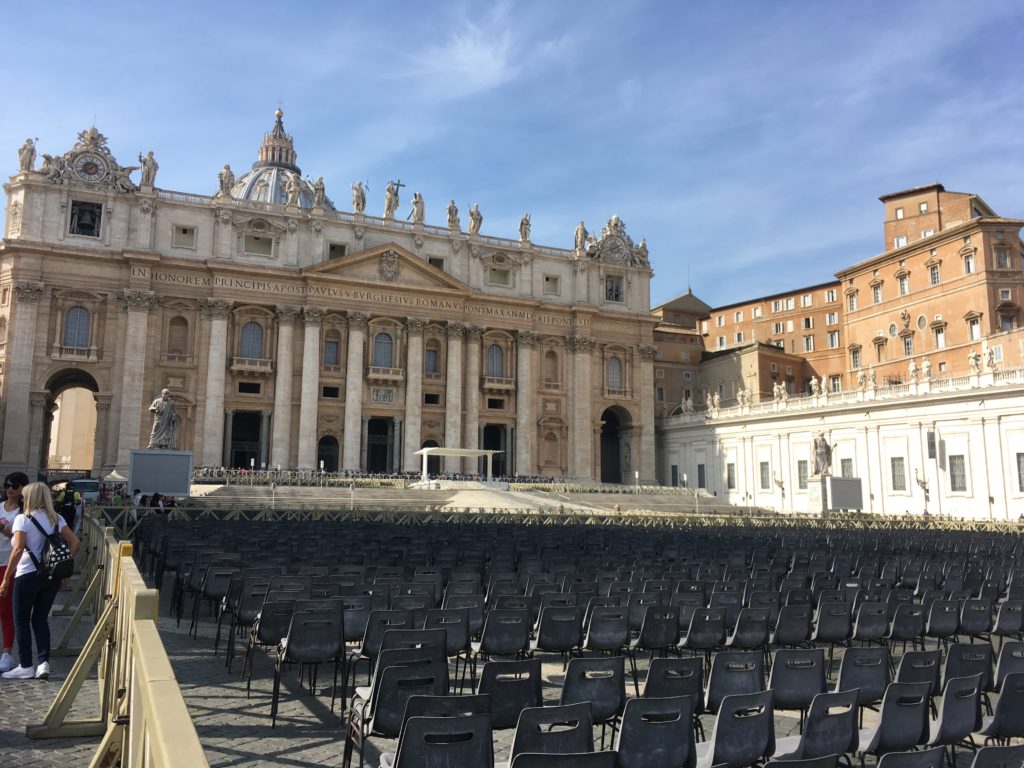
[142, 716]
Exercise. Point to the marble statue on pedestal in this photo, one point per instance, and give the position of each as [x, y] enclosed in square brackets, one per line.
[581, 236]
[452, 212]
[149, 169]
[390, 200]
[225, 180]
[319, 193]
[418, 212]
[27, 156]
[358, 197]
[524, 228]
[974, 361]
[476, 220]
[822, 455]
[165, 422]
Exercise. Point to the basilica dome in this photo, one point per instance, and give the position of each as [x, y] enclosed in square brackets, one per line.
[275, 169]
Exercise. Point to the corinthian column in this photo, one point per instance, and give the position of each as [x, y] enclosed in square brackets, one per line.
[471, 428]
[413, 392]
[526, 429]
[309, 394]
[21, 343]
[138, 304]
[647, 463]
[580, 447]
[354, 390]
[453, 396]
[217, 311]
[281, 442]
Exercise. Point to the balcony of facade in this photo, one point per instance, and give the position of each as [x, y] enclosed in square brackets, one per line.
[175, 358]
[550, 385]
[613, 393]
[75, 354]
[498, 384]
[434, 378]
[377, 374]
[252, 365]
[330, 369]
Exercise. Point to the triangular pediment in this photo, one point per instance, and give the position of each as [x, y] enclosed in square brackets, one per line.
[387, 265]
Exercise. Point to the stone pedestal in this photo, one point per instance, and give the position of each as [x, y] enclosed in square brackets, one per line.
[816, 495]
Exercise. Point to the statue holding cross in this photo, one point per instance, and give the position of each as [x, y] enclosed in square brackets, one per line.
[391, 198]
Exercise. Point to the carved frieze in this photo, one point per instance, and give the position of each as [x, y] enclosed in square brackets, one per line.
[147, 206]
[388, 266]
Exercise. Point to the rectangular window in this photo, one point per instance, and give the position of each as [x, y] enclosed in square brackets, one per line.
[436, 261]
[876, 294]
[899, 473]
[660, 394]
[1006, 322]
[904, 284]
[687, 375]
[1005, 294]
[899, 214]
[776, 306]
[833, 339]
[940, 338]
[801, 474]
[256, 245]
[846, 467]
[900, 241]
[808, 323]
[248, 388]
[957, 474]
[830, 295]
[701, 479]
[855, 358]
[808, 343]
[789, 326]
[674, 469]
[1002, 258]
[503, 277]
[836, 383]
[551, 285]
[908, 345]
[85, 218]
[431, 360]
[777, 328]
[832, 318]
[974, 329]
[968, 264]
[184, 237]
[495, 403]
[721, 342]
[806, 300]
[756, 312]
[730, 476]
[330, 353]
[933, 275]
[766, 480]
[1020, 472]
[922, 208]
[431, 398]
[336, 250]
[720, 321]
[927, 233]
[997, 352]
[851, 302]
[613, 288]
[739, 337]
[330, 393]
[737, 317]
[790, 303]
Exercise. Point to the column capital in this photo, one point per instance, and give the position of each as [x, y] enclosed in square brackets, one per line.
[216, 309]
[527, 339]
[365, 419]
[414, 326]
[102, 401]
[647, 352]
[287, 313]
[456, 330]
[38, 398]
[473, 332]
[137, 300]
[580, 343]
[313, 315]
[28, 291]
[357, 321]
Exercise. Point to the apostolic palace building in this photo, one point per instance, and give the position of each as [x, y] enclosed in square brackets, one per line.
[292, 334]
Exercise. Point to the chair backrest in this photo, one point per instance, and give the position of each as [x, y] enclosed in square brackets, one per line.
[994, 757]
[637, 604]
[959, 710]
[920, 667]
[274, 620]
[1008, 720]
[607, 628]
[828, 761]
[414, 638]
[513, 686]
[965, 659]
[448, 706]
[660, 627]
[734, 672]
[560, 628]
[831, 725]
[393, 686]
[657, 733]
[1011, 659]
[834, 622]
[506, 631]
[435, 742]
[707, 628]
[744, 730]
[601, 681]
[943, 618]
[669, 677]
[314, 636]
[455, 624]
[928, 758]
[380, 622]
[797, 676]
[903, 718]
[554, 730]
[472, 603]
[793, 626]
[866, 669]
[908, 621]
[606, 759]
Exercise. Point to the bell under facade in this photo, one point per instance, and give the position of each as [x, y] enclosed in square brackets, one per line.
[291, 334]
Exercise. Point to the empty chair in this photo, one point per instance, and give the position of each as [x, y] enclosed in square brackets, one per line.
[943, 621]
[744, 733]
[574, 760]
[657, 733]
[560, 631]
[314, 637]
[670, 677]
[828, 761]
[872, 623]
[833, 625]
[830, 728]
[513, 686]
[1008, 721]
[607, 629]
[706, 632]
[998, 757]
[556, 730]
[377, 624]
[506, 633]
[270, 626]
[959, 715]
[1009, 621]
[797, 676]
[732, 673]
[976, 619]
[750, 632]
[867, 670]
[455, 623]
[928, 758]
[600, 681]
[659, 632]
[1011, 659]
[474, 604]
[902, 720]
[793, 627]
[637, 604]
[966, 659]
[437, 742]
[921, 666]
[907, 626]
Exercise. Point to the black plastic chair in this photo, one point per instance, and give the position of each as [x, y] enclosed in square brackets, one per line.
[267, 630]
[921, 667]
[513, 686]
[657, 733]
[797, 676]
[607, 629]
[902, 721]
[455, 623]
[733, 673]
[830, 729]
[943, 621]
[744, 733]
[750, 632]
[907, 626]
[506, 632]
[867, 670]
[833, 626]
[659, 633]
[1009, 621]
[558, 730]
[314, 637]
[560, 631]
[1010, 660]
[378, 622]
[793, 627]
[975, 619]
[959, 715]
[997, 757]
[1008, 720]
[706, 632]
[966, 659]
[441, 742]
[600, 681]
[928, 758]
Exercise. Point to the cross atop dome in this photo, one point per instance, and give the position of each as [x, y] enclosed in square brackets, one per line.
[278, 149]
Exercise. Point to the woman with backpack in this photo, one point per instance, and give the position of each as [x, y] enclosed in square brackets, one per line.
[34, 592]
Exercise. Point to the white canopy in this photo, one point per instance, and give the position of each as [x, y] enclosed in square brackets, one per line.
[465, 452]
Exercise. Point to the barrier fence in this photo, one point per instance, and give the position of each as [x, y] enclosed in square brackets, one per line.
[142, 718]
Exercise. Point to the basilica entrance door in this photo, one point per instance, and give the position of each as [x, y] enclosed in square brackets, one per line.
[379, 444]
[496, 439]
[245, 439]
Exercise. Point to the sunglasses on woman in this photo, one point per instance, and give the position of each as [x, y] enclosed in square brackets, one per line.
[12, 487]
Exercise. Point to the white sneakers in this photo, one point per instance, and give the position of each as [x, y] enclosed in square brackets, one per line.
[20, 673]
[6, 662]
[43, 671]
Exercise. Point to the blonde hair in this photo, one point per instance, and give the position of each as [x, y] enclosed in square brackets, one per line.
[37, 497]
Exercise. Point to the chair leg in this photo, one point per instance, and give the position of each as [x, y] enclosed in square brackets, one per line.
[276, 693]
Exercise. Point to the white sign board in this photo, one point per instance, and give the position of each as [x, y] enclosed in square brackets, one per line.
[168, 473]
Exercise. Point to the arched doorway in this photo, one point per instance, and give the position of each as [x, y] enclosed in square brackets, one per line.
[327, 453]
[616, 455]
[433, 462]
[68, 441]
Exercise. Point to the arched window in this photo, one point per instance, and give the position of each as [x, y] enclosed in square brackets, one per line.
[550, 367]
[251, 342]
[383, 350]
[431, 358]
[177, 336]
[614, 373]
[77, 326]
[495, 362]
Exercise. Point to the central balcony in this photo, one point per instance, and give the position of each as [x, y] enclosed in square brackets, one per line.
[75, 354]
[498, 384]
[385, 375]
[252, 365]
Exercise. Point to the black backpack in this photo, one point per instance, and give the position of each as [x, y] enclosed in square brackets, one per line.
[66, 504]
[55, 562]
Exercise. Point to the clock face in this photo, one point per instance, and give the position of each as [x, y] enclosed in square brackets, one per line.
[90, 167]
[614, 249]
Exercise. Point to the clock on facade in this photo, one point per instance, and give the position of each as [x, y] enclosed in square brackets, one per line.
[90, 167]
[614, 249]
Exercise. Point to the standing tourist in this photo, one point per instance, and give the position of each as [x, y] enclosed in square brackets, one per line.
[9, 510]
[33, 593]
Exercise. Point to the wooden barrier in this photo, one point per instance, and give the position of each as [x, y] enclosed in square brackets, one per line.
[143, 718]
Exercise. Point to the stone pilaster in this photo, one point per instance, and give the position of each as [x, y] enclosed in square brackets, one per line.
[453, 396]
[647, 463]
[364, 439]
[281, 442]
[351, 458]
[99, 454]
[138, 304]
[21, 344]
[41, 416]
[526, 423]
[413, 392]
[580, 447]
[471, 428]
[309, 394]
[216, 311]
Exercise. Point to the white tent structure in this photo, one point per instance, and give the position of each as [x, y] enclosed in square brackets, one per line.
[463, 452]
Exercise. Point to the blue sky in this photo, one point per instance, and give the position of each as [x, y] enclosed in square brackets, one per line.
[748, 141]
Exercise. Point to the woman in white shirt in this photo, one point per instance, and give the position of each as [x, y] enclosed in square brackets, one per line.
[33, 593]
[10, 508]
